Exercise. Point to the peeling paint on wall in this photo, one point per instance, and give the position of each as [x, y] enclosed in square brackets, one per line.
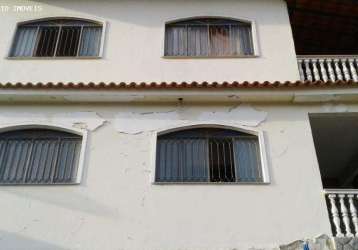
[335, 108]
[139, 122]
[83, 120]
[322, 242]
[103, 98]
[242, 115]
[134, 123]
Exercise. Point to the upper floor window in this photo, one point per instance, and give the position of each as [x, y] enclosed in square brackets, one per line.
[208, 155]
[57, 38]
[208, 37]
[39, 156]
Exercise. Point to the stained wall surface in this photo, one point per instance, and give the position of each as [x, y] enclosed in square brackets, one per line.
[117, 205]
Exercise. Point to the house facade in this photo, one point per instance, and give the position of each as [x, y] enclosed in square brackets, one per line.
[176, 124]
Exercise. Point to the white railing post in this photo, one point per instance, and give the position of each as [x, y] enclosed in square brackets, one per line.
[323, 70]
[344, 212]
[315, 70]
[353, 211]
[335, 215]
[352, 68]
[332, 75]
[337, 69]
[346, 73]
[308, 70]
[300, 68]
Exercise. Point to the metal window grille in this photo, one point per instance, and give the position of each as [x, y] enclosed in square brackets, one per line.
[208, 37]
[57, 38]
[39, 156]
[208, 155]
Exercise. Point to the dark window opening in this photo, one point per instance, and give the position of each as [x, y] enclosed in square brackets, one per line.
[47, 41]
[208, 155]
[221, 160]
[336, 142]
[68, 41]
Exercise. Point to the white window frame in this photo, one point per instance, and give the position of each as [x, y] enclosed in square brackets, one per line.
[56, 127]
[89, 19]
[254, 31]
[263, 154]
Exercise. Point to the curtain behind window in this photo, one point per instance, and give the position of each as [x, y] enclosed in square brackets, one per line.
[194, 38]
[197, 41]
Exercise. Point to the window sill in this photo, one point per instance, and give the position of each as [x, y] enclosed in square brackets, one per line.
[55, 58]
[212, 183]
[210, 57]
[39, 184]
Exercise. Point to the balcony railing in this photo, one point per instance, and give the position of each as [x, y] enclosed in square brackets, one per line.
[342, 209]
[328, 68]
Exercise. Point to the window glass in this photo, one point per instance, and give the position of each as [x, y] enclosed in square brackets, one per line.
[208, 37]
[39, 156]
[57, 38]
[208, 155]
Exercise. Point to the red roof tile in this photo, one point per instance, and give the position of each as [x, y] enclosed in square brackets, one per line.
[176, 85]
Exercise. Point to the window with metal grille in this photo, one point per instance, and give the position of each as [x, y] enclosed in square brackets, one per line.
[39, 156]
[57, 38]
[208, 37]
[208, 155]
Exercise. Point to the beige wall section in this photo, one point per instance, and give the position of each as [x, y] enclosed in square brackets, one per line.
[134, 42]
[117, 207]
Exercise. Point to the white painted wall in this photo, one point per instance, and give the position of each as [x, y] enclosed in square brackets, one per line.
[117, 207]
[134, 42]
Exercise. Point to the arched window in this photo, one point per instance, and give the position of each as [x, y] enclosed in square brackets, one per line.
[39, 156]
[57, 38]
[208, 155]
[204, 37]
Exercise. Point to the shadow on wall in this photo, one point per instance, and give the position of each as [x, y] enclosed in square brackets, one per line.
[66, 198]
[15, 241]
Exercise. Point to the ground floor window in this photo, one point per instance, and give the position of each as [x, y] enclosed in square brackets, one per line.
[39, 156]
[208, 155]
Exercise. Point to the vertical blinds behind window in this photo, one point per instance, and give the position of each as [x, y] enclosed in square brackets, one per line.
[208, 38]
[247, 158]
[39, 157]
[180, 160]
[208, 155]
[90, 41]
[24, 41]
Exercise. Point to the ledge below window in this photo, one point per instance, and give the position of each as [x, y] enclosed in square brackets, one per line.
[213, 183]
[23, 184]
[55, 58]
[210, 57]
